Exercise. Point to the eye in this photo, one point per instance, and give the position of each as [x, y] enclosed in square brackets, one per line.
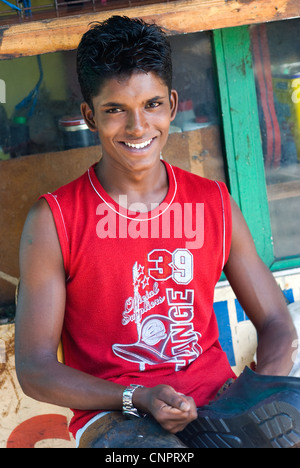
[114, 110]
[153, 105]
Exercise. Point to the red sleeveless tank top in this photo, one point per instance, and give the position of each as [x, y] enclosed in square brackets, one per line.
[140, 286]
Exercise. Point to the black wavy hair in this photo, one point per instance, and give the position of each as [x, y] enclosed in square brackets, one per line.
[118, 47]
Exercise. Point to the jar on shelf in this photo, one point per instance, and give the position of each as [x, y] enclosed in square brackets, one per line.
[76, 134]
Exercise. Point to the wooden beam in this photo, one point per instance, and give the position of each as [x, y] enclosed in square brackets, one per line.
[283, 190]
[181, 16]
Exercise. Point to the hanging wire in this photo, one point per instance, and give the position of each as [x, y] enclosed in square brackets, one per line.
[11, 5]
[33, 95]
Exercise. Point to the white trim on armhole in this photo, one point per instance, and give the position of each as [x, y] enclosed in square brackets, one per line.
[224, 225]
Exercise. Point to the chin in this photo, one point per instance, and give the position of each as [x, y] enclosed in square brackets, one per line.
[144, 164]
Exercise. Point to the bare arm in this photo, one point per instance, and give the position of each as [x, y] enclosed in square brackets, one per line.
[39, 321]
[262, 300]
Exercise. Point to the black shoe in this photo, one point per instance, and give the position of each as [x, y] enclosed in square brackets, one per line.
[257, 411]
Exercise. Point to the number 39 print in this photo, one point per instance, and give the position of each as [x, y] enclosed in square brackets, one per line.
[164, 265]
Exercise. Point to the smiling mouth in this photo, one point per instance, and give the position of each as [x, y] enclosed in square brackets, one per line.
[142, 145]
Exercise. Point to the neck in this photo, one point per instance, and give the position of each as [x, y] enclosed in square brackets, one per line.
[148, 187]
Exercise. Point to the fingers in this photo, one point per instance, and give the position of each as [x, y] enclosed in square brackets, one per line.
[174, 420]
[171, 409]
[175, 410]
[175, 400]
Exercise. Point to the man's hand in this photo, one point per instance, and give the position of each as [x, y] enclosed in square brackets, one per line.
[172, 410]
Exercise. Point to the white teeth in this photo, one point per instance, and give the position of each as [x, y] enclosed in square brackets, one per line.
[138, 145]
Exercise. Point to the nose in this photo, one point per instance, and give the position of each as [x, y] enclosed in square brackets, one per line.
[136, 123]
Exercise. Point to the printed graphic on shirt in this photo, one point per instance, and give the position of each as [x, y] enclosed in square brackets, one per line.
[161, 338]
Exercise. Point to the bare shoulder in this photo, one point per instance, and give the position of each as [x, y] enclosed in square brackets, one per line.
[39, 241]
[242, 240]
[41, 263]
[39, 220]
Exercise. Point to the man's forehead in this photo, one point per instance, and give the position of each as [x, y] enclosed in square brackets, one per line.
[139, 85]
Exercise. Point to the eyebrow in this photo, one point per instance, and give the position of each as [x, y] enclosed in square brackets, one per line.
[111, 104]
[117, 104]
[157, 98]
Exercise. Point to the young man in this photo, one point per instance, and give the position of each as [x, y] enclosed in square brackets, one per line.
[122, 263]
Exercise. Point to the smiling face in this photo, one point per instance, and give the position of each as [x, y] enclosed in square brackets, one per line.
[132, 116]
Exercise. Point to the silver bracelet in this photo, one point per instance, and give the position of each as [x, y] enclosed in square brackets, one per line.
[128, 408]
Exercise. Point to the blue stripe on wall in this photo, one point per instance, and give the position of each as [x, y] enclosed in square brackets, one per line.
[222, 314]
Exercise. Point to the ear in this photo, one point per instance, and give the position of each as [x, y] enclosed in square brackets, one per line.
[173, 103]
[88, 116]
